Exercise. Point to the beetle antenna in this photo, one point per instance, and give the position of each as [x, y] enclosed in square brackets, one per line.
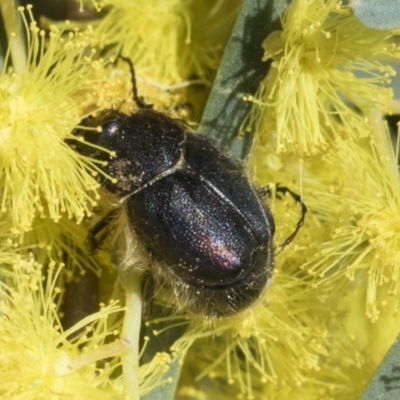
[136, 98]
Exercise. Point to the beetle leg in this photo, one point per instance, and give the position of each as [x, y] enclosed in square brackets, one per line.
[92, 242]
[303, 212]
[267, 191]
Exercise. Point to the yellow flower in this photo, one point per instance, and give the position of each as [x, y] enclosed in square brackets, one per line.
[38, 359]
[50, 241]
[166, 40]
[326, 68]
[367, 242]
[40, 174]
[294, 342]
[41, 360]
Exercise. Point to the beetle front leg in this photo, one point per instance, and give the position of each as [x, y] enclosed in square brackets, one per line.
[92, 242]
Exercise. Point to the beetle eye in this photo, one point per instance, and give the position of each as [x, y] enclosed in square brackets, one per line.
[109, 121]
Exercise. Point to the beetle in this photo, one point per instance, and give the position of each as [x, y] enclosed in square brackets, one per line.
[205, 225]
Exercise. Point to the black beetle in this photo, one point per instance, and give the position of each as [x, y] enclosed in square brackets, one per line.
[191, 206]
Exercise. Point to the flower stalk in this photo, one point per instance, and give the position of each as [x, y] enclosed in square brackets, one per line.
[132, 285]
[13, 26]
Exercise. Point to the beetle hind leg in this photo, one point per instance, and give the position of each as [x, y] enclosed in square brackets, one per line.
[267, 191]
[303, 211]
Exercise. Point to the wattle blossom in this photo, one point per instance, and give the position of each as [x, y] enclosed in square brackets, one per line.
[326, 67]
[38, 110]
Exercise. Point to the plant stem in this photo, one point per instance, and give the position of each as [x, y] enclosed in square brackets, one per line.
[132, 284]
[13, 26]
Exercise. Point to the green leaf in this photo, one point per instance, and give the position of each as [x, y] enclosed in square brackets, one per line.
[385, 384]
[377, 14]
[240, 74]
